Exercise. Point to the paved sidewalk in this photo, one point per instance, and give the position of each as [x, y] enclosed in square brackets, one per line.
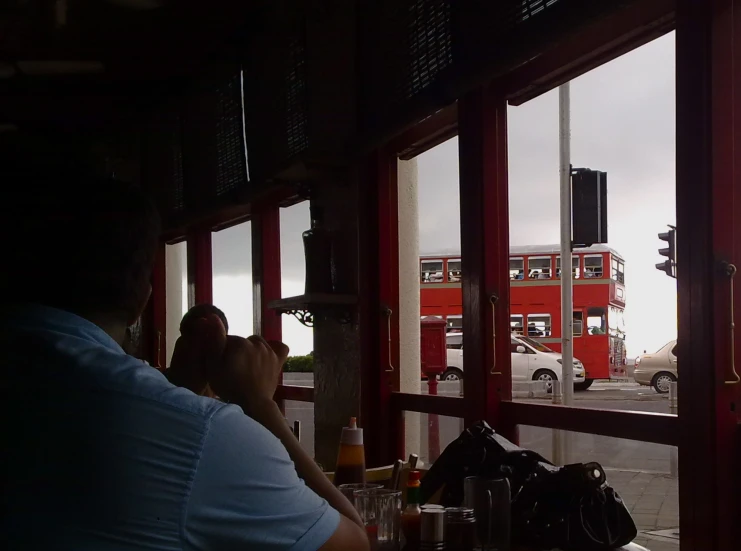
[653, 501]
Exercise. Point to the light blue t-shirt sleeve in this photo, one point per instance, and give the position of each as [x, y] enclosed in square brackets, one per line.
[246, 494]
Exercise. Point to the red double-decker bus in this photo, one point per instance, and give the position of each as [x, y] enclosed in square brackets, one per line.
[535, 301]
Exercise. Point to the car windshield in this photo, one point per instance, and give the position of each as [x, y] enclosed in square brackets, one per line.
[535, 344]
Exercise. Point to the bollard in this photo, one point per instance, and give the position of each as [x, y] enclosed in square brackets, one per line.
[557, 392]
[674, 410]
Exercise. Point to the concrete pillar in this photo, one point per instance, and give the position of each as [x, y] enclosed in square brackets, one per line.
[337, 345]
[175, 274]
[409, 305]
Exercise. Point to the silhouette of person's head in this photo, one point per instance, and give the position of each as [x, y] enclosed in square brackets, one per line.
[82, 241]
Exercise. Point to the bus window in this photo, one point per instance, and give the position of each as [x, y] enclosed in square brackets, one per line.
[578, 324]
[454, 270]
[515, 323]
[539, 325]
[596, 321]
[539, 267]
[516, 268]
[574, 267]
[432, 271]
[593, 266]
[455, 323]
[616, 321]
[618, 270]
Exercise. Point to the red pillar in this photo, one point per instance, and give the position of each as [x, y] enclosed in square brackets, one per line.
[266, 271]
[482, 139]
[378, 297]
[266, 274]
[708, 226]
[200, 267]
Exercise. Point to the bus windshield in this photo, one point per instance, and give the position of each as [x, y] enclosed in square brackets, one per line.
[535, 344]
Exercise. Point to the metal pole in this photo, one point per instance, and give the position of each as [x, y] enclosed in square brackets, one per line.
[567, 297]
[433, 424]
[557, 435]
[673, 409]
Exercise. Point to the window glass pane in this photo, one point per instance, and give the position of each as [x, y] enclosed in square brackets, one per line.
[454, 341]
[578, 323]
[539, 267]
[575, 271]
[516, 323]
[642, 473]
[454, 271]
[294, 220]
[432, 271]
[232, 271]
[617, 320]
[537, 346]
[539, 325]
[455, 323]
[303, 412]
[431, 178]
[427, 435]
[618, 270]
[516, 347]
[176, 270]
[596, 321]
[516, 268]
[593, 267]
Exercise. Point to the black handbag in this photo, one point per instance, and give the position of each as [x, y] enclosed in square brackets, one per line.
[570, 508]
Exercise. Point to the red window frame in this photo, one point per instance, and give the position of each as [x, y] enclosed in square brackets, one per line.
[707, 431]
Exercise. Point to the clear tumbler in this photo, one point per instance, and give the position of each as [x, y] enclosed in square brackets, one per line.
[348, 490]
[380, 511]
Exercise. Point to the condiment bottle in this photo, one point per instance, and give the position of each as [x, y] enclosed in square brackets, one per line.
[411, 516]
[351, 456]
[318, 254]
[460, 529]
[432, 534]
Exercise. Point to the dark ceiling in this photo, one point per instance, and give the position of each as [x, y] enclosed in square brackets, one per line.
[96, 60]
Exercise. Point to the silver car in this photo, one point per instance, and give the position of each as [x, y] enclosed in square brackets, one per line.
[658, 370]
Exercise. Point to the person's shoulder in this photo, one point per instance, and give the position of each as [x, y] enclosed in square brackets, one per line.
[138, 380]
[245, 478]
[229, 423]
[127, 379]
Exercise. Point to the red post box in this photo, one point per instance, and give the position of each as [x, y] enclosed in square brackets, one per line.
[434, 353]
[434, 357]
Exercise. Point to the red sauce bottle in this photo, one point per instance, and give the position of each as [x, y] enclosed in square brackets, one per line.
[411, 516]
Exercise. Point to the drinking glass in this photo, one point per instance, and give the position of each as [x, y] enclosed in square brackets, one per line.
[348, 490]
[380, 511]
[491, 501]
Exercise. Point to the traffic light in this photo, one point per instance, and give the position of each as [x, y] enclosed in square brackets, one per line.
[669, 266]
[588, 207]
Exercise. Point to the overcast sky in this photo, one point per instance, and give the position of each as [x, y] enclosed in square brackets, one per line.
[623, 122]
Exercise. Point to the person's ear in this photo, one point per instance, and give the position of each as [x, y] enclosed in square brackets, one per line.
[139, 310]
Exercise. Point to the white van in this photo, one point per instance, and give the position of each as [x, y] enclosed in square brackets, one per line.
[531, 361]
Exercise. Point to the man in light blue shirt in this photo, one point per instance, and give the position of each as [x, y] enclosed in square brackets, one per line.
[101, 452]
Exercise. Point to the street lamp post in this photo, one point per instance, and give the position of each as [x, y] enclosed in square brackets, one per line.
[567, 296]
